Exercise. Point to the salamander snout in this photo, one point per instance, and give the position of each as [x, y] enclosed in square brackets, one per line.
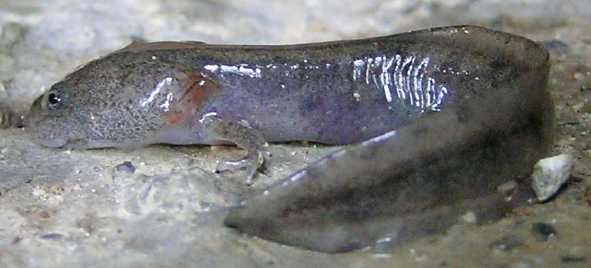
[42, 128]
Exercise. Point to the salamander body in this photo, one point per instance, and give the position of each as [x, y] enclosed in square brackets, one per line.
[440, 118]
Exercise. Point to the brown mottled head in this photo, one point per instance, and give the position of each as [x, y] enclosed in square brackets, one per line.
[121, 100]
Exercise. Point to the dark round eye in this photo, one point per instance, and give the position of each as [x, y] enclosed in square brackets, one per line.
[55, 97]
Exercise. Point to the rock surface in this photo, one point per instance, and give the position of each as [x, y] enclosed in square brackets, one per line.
[62, 208]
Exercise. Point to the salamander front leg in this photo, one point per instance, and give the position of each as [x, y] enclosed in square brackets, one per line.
[244, 136]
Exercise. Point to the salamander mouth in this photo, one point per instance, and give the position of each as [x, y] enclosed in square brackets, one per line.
[57, 141]
[53, 143]
[46, 141]
[84, 143]
[75, 143]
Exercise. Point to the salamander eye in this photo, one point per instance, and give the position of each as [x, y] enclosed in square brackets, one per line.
[55, 97]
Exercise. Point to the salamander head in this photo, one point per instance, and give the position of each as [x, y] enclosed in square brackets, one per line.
[116, 102]
[50, 121]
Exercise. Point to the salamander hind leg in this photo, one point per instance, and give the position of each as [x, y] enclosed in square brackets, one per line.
[244, 136]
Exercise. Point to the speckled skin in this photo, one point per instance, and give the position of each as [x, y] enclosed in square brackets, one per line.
[304, 92]
[464, 110]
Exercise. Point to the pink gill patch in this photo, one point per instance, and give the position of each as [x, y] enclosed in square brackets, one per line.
[195, 90]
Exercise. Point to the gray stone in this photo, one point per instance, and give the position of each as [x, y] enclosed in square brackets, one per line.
[543, 231]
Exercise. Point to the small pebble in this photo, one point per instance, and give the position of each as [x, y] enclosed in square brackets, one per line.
[550, 174]
[521, 264]
[544, 231]
[44, 215]
[16, 240]
[507, 243]
[578, 76]
[587, 195]
[52, 236]
[9, 118]
[470, 217]
[384, 244]
[557, 46]
[573, 259]
[125, 168]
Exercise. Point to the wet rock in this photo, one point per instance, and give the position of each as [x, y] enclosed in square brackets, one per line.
[24, 162]
[550, 174]
[543, 231]
[183, 191]
[10, 34]
[91, 27]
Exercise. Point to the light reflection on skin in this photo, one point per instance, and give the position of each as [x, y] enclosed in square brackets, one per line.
[399, 77]
[256, 71]
[405, 75]
[241, 69]
[385, 77]
[380, 138]
[165, 82]
[166, 105]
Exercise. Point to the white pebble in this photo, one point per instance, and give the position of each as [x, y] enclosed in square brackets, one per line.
[551, 173]
[470, 217]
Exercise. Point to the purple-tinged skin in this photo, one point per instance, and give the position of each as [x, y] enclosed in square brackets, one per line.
[442, 121]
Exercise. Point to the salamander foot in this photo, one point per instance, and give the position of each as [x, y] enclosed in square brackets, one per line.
[245, 137]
